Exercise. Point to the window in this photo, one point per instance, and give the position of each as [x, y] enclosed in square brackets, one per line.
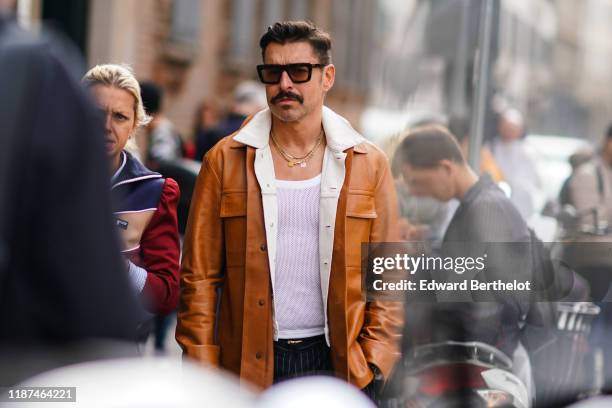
[183, 42]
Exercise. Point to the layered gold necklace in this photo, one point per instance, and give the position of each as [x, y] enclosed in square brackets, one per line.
[294, 160]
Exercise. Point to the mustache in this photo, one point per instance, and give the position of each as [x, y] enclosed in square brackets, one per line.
[288, 95]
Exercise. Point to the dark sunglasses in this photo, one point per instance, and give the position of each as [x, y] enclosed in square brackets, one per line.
[299, 73]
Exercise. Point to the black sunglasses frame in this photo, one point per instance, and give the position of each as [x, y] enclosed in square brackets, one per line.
[286, 68]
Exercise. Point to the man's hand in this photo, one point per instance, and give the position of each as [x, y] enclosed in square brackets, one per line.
[375, 387]
[378, 375]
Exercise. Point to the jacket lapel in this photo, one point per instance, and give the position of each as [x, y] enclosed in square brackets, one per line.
[339, 134]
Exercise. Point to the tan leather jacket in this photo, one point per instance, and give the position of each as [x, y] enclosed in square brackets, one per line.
[230, 243]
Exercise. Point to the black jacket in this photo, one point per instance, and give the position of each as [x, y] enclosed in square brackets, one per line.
[486, 222]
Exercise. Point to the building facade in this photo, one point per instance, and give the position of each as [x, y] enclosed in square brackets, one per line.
[201, 49]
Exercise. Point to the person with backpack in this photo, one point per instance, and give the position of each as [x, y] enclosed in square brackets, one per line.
[62, 282]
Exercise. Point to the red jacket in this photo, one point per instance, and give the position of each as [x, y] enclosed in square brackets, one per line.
[145, 213]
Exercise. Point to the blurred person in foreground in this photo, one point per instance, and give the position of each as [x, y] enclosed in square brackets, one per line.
[421, 218]
[433, 165]
[62, 282]
[518, 168]
[459, 128]
[161, 141]
[145, 203]
[279, 214]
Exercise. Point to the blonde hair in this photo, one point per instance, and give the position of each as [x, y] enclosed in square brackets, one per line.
[119, 76]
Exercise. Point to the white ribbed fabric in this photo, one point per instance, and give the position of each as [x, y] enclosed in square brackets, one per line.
[138, 276]
[298, 303]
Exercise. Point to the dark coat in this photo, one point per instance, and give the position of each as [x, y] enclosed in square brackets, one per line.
[485, 222]
[62, 279]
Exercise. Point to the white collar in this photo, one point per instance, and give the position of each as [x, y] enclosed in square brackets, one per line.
[338, 132]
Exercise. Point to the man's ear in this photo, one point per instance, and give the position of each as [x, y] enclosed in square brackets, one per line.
[448, 166]
[329, 76]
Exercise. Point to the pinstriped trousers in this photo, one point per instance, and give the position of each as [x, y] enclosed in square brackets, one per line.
[308, 356]
[301, 357]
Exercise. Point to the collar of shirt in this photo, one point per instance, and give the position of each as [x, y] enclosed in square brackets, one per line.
[485, 181]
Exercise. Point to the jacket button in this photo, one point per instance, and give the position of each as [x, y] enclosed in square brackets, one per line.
[258, 355]
[261, 302]
[263, 247]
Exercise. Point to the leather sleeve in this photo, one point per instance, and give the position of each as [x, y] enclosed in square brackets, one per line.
[160, 249]
[381, 333]
[201, 270]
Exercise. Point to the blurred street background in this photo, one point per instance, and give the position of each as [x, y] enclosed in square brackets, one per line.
[399, 62]
[396, 59]
[526, 81]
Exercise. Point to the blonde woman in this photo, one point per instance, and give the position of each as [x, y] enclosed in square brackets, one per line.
[145, 203]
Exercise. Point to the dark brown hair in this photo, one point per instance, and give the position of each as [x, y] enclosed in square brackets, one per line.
[284, 32]
[426, 146]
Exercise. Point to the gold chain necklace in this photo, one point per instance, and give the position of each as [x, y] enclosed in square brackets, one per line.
[293, 160]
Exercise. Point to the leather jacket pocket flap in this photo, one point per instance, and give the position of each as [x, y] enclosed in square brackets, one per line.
[360, 206]
[233, 204]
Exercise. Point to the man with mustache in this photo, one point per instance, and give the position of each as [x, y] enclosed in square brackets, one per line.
[280, 210]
